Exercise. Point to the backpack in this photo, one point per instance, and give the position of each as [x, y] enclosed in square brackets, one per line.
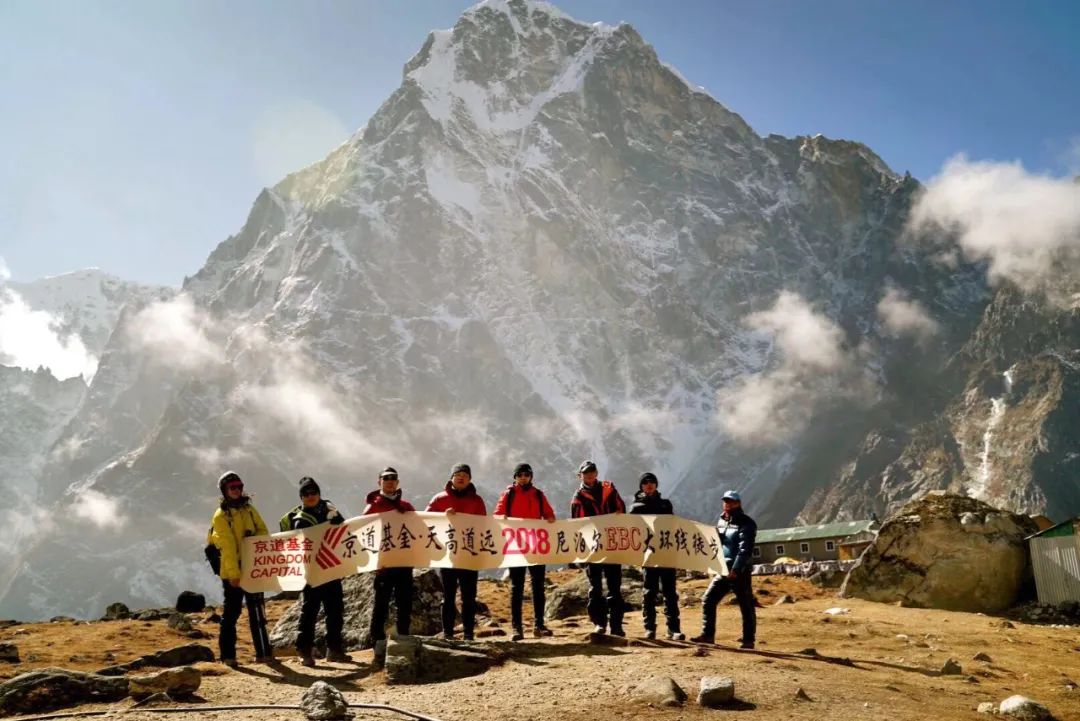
[213, 556]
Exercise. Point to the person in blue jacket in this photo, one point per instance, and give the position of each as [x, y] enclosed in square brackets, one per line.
[737, 533]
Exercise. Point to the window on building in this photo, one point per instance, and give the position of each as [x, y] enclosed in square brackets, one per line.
[804, 548]
[757, 552]
[830, 545]
[779, 549]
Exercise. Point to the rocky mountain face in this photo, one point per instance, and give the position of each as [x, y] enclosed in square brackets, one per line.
[544, 246]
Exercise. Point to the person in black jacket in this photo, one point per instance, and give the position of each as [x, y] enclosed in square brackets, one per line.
[312, 511]
[737, 533]
[649, 501]
[597, 498]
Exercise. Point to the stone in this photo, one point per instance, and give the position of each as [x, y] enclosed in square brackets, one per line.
[1024, 709]
[322, 701]
[9, 652]
[116, 611]
[408, 660]
[180, 622]
[980, 656]
[152, 614]
[359, 592]
[925, 555]
[801, 695]
[190, 602]
[783, 599]
[572, 597]
[951, 668]
[185, 655]
[657, 691]
[987, 707]
[48, 689]
[177, 682]
[837, 611]
[716, 691]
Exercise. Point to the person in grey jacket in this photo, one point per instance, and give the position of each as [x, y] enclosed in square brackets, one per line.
[737, 533]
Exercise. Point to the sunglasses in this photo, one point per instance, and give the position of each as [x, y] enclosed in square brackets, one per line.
[234, 487]
[522, 475]
[387, 478]
[309, 492]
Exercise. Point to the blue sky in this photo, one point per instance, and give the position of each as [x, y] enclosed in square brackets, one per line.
[136, 135]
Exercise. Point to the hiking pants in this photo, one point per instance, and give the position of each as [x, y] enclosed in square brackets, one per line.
[657, 580]
[602, 607]
[399, 583]
[717, 590]
[452, 578]
[235, 598]
[517, 594]
[332, 599]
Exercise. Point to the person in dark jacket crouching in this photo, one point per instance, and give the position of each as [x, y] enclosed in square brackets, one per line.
[459, 496]
[312, 511]
[648, 501]
[737, 533]
[396, 581]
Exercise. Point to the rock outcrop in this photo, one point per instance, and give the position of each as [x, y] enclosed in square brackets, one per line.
[359, 601]
[945, 551]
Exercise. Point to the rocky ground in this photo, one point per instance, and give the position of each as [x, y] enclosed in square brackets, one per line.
[870, 661]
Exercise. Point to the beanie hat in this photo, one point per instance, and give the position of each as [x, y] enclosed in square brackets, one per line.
[647, 478]
[586, 467]
[227, 478]
[522, 468]
[308, 482]
[388, 472]
[461, 468]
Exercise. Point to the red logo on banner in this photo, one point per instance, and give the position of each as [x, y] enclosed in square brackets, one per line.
[326, 558]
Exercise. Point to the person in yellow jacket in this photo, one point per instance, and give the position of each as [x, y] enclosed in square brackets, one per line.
[235, 520]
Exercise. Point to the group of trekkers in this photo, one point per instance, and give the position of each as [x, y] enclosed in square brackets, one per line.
[236, 518]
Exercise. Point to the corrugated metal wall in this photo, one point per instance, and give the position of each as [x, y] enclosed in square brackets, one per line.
[1057, 568]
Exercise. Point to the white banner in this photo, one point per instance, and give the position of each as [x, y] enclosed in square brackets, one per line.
[287, 561]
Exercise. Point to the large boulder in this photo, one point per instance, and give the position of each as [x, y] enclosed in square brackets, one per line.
[323, 702]
[359, 592]
[572, 598]
[190, 602]
[946, 551]
[177, 656]
[410, 660]
[46, 689]
[175, 682]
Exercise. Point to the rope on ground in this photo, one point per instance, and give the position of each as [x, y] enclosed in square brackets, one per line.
[197, 708]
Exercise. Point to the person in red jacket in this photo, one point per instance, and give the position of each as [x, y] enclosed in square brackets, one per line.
[396, 581]
[596, 498]
[522, 499]
[459, 496]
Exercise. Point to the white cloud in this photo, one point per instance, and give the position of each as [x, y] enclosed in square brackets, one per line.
[99, 509]
[1026, 226]
[30, 338]
[177, 334]
[5, 272]
[292, 134]
[903, 316]
[806, 337]
[774, 405]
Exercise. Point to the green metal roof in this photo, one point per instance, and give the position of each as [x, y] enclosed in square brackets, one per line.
[809, 533]
[1065, 528]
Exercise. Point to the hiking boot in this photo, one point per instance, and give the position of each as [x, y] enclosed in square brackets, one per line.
[307, 660]
[746, 644]
[230, 662]
[599, 629]
[541, 632]
[704, 638]
[268, 660]
[519, 635]
[338, 656]
[447, 635]
[468, 635]
[618, 632]
[651, 634]
[676, 636]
